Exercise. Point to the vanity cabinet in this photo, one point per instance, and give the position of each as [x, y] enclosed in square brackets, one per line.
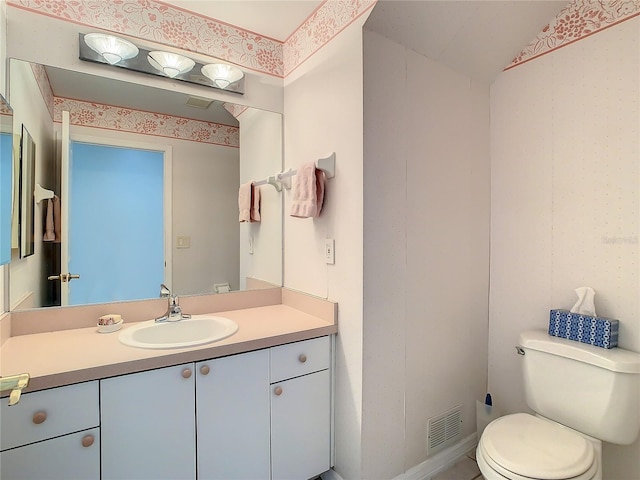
[160, 424]
[300, 409]
[232, 405]
[148, 425]
[52, 434]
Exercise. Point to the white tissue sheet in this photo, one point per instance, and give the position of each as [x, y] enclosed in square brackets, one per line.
[585, 304]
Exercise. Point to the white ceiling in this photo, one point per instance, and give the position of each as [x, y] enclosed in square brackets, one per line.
[478, 38]
[272, 18]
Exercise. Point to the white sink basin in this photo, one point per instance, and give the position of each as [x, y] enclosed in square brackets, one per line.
[198, 330]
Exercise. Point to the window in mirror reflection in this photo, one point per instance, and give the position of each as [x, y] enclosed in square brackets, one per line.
[6, 172]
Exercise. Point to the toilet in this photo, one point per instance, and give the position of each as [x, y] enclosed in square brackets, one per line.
[581, 395]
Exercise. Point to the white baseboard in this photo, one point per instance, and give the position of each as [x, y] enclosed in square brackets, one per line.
[429, 467]
[440, 460]
[330, 475]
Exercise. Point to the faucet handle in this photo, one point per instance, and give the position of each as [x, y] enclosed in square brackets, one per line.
[164, 291]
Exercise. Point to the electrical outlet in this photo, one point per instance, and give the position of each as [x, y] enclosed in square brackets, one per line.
[183, 242]
[251, 245]
[329, 251]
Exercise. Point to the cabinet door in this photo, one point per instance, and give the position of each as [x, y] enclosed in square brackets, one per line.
[300, 427]
[148, 425]
[232, 404]
[75, 456]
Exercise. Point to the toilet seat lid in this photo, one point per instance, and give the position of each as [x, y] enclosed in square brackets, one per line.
[536, 448]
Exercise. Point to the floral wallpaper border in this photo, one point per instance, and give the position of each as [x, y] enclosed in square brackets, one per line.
[169, 25]
[108, 117]
[42, 79]
[579, 19]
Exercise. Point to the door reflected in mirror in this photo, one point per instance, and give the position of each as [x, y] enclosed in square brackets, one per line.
[6, 179]
[212, 152]
[27, 185]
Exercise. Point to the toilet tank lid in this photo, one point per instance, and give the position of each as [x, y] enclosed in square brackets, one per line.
[614, 359]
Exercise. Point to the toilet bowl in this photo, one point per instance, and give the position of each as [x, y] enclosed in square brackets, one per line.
[526, 447]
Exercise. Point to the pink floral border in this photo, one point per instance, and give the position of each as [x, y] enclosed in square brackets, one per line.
[42, 79]
[169, 25]
[577, 20]
[109, 117]
[325, 23]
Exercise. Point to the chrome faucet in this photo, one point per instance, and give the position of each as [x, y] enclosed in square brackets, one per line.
[174, 310]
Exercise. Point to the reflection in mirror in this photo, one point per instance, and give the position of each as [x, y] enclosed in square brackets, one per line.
[27, 185]
[213, 147]
[6, 179]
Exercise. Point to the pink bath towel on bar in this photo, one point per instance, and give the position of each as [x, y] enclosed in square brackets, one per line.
[244, 202]
[255, 203]
[308, 193]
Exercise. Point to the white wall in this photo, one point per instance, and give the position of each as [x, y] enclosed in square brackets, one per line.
[323, 114]
[564, 206]
[426, 251]
[205, 181]
[261, 157]
[30, 110]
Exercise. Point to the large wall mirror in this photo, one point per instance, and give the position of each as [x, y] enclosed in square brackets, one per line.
[120, 208]
[6, 179]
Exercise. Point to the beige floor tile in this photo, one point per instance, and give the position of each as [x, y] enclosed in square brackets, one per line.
[463, 469]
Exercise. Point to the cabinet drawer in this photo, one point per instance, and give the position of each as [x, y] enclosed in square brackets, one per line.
[300, 358]
[75, 456]
[49, 413]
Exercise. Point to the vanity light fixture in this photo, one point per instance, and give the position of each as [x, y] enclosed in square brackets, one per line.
[117, 52]
[112, 49]
[221, 74]
[171, 64]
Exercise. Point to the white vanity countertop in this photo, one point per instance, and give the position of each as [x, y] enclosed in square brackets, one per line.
[70, 356]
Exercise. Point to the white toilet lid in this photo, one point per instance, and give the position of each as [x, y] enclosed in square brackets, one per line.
[534, 448]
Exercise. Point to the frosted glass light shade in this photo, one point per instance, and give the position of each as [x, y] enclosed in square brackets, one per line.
[112, 49]
[221, 74]
[171, 64]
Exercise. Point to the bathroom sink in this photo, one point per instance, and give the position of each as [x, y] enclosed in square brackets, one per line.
[189, 332]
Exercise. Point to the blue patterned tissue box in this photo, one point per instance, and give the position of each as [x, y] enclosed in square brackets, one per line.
[601, 332]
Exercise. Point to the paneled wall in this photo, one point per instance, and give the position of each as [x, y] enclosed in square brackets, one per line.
[426, 247]
[565, 151]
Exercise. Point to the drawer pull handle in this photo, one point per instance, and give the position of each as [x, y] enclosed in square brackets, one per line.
[39, 417]
[186, 373]
[302, 358]
[204, 370]
[277, 391]
[87, 441]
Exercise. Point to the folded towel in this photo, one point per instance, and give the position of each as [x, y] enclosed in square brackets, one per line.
[244, 201]
[57, 219]
[255, 203]
[308, 193]
[49, 226]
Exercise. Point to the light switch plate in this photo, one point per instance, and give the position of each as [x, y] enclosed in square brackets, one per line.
[329, 251]
[183, 241]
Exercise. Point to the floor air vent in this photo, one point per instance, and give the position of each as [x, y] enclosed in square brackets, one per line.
[443, 430]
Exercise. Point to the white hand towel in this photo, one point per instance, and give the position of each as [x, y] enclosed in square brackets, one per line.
[308, 194]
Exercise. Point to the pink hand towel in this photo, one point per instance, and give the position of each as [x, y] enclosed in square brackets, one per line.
[57, 219]
[49, 233]
[255, 203]
[244, 202]
[308, 193]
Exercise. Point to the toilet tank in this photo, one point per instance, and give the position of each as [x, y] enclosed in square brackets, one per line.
[590, 389]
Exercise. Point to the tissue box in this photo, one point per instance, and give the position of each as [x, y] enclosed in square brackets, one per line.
[601, 332]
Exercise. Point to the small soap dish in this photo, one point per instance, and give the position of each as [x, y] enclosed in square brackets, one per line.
[109, 323]
[114, 327]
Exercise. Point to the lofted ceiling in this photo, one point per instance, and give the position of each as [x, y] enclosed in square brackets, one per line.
[478, 38]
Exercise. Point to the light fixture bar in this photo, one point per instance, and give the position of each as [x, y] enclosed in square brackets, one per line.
[166, 67]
